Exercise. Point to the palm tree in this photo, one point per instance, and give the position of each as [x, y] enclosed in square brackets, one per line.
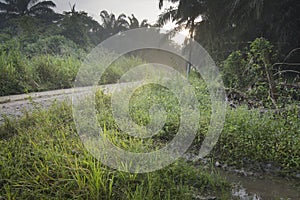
[27, 16]
[80, 28]
[134, 22]
[230, 24]
[26, 7]
[112, 25]
[279, 21]
[185, 14]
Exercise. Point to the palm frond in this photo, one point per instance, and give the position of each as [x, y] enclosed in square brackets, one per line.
[104, 14]
[9, 6]
[40, 10]
[134, 22]
[161, 2]
[145, 23]
[167, 16]
[30, 3]
[45, 4]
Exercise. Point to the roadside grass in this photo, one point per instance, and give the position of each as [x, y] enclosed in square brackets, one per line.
[261, 141]
[21, 73]
[42, 157]
[264, 141]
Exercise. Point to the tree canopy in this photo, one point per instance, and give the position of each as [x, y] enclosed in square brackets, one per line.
[27, 7]
[32, 17]
[231, 24]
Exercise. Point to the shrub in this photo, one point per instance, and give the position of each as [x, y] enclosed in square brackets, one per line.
[53, 45]
[52, 72]
[118, 68]
[14, 73]
[251, 72]
[253, 138]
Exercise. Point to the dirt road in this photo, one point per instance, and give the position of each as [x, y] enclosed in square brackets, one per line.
[13, 106]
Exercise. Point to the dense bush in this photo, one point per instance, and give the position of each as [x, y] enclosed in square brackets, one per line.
[52, 63]
[53, 45]
[52, 72]
[254, 139]
[15, 76]
[118, 68]
[256, 76]
[251, 72]
[20, 74]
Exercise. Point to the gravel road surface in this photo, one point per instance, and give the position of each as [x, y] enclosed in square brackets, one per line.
[13, 106]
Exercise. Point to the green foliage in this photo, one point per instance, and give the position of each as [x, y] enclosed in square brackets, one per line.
[51, 63]
[243, 69]
[54, 72]
[227, 25]
[147, 96]
[118, 68]
[76, 25]
[28, 26]
[261, 48]
[21, 74]
[14, 74]
[53, 45]
[36, 20]
[27, 8]
[233, 71]
[252, 139]
[47, 160]
[35, 45]
[251, 73]
[4, 37]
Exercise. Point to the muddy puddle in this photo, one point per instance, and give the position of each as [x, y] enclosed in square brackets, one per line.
[251, 186]
[257, 188]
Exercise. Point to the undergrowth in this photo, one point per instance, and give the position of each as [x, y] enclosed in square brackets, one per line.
[42, 157]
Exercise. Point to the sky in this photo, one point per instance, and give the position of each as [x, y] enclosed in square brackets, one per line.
[142, 9]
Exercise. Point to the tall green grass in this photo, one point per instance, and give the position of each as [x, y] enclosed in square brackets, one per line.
[36, 64]
[254, 139]
[23, 73]
[43, 158]
[19, 74]
[53, 72]
[14, 73]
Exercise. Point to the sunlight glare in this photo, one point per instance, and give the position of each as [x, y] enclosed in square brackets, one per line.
[179, 37]
[185, 32]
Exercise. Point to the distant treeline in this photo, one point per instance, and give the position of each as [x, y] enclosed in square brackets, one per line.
[34, 20]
